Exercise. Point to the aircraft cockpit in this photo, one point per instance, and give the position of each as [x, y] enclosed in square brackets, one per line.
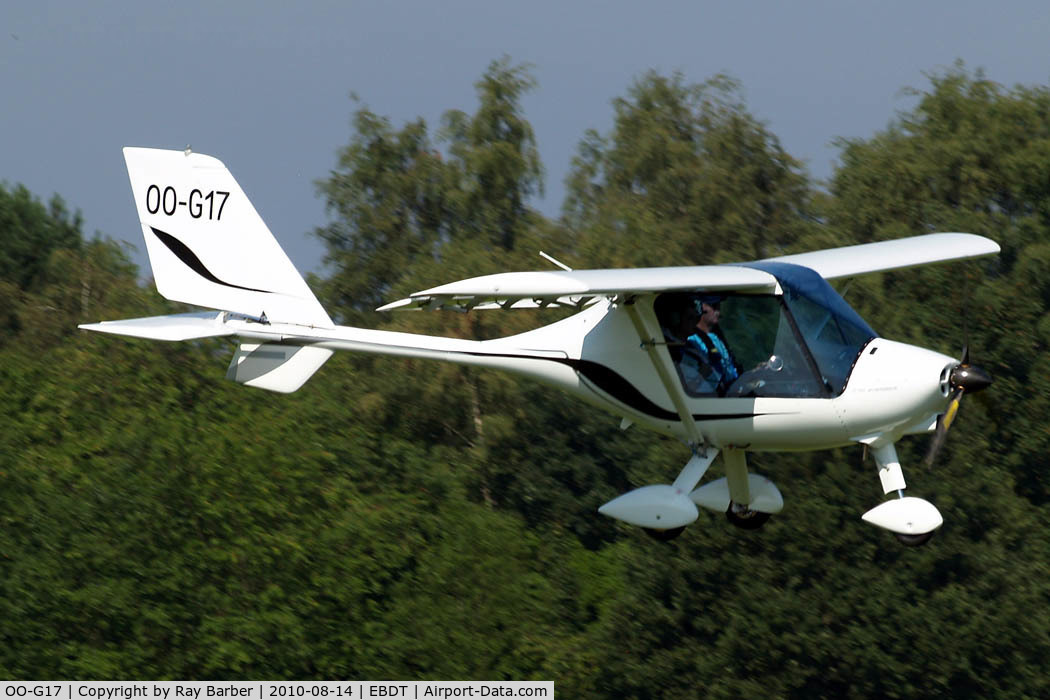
[801, 344]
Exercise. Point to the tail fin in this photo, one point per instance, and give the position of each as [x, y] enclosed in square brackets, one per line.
[207, 244]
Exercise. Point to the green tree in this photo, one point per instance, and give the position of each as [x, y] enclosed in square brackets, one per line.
[50, 278]
[488, 172]
[687, 176]
[401, 200]
[496, 149]
[31, 232]
[391, 206]
[410, 519]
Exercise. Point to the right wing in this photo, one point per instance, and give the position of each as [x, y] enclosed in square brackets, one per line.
[577, 288]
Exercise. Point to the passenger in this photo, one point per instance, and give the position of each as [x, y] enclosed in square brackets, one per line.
[711, 345]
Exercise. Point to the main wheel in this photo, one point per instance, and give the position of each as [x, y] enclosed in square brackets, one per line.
[745, 518]
[664, 535]
[915, 540]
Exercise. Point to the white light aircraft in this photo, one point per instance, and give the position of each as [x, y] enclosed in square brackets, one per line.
[790, 366]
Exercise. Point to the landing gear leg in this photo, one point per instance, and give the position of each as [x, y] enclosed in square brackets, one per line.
[890, 473]
[665, 508]
[747, 499]
[739, 512]
[913, 520]
[690, 475]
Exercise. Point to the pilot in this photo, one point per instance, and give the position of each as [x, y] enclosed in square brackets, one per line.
[709, 342]
[679, 318]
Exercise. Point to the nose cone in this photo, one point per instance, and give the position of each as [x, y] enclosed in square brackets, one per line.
[970, 378]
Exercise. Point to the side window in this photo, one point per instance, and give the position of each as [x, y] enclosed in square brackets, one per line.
[734, 345]
[752, 324]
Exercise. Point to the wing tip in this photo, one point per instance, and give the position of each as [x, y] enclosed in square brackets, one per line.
[399, 304]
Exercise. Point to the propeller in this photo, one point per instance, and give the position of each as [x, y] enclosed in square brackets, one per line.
[964, 377]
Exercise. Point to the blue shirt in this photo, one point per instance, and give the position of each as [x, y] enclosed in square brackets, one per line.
[712, 347]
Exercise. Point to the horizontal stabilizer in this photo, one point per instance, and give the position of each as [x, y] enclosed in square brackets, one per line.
[281, 368]
[201, 324]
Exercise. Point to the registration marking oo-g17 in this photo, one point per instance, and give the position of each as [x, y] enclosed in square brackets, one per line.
[200, 205]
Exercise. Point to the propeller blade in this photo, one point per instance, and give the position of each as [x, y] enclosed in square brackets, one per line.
[963, 377]
[944, 422]
[936, 442]
[953, 408]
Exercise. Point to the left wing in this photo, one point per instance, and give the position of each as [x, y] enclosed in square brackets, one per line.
[880, 256]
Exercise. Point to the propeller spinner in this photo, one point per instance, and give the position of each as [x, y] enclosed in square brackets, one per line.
[963, 378]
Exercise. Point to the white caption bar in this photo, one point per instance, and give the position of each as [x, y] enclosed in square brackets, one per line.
[273, 690]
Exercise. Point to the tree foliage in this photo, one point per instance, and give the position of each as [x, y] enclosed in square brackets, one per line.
[687, 176]
[405, 519]
[402, 199]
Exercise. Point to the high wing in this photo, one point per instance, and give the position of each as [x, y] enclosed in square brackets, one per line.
[577, 288]
[893, 255]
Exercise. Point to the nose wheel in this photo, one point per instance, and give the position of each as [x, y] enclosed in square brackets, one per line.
[912, 520]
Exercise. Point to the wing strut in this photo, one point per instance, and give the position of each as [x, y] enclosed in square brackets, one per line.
[667, 376]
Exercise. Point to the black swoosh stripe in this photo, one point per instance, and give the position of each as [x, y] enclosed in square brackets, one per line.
[616, 386]
[622, 390]
[187, 256]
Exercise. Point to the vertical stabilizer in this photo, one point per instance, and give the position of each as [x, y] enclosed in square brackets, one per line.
[207, 244]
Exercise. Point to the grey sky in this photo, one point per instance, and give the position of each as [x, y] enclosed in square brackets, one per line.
[265, 86]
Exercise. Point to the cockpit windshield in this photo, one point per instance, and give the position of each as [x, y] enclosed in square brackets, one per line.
[833, 332]
[799, 345]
